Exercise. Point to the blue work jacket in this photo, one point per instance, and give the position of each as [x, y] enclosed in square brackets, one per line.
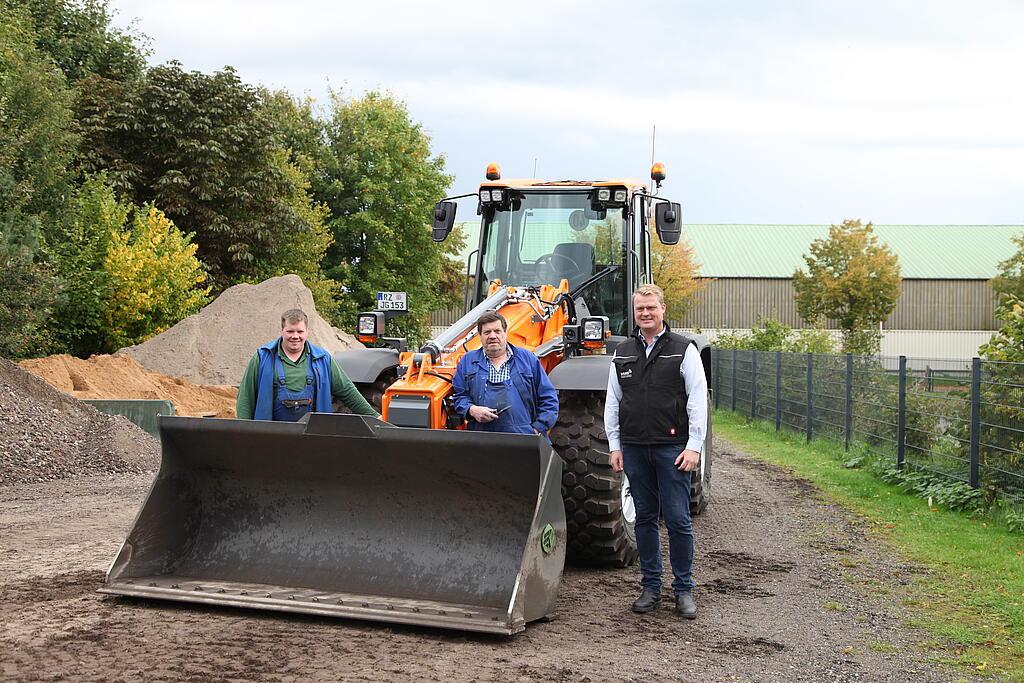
[532, 399]
[321, 364]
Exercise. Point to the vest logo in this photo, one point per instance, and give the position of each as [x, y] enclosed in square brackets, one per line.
[626, 374]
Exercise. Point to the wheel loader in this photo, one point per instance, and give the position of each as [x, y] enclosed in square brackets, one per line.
[416, 519]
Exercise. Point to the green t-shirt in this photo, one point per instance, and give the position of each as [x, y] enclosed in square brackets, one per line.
[295, 373]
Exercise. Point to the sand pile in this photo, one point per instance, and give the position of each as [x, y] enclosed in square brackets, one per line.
[214, 345]
[47, 435]
[121, 377]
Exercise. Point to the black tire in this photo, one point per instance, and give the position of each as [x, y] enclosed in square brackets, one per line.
[373, 392]
[599, 533]
[700, 482]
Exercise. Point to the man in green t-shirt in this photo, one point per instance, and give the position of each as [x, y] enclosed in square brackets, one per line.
[289, 377]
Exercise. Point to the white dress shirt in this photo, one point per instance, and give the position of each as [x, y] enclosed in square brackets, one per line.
[692, 372]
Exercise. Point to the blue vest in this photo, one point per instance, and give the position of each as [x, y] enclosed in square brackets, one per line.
[320, 364]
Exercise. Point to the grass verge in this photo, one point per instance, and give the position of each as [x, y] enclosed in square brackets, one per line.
[973, 594]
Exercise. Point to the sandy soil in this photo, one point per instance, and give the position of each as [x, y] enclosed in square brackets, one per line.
[790, 589]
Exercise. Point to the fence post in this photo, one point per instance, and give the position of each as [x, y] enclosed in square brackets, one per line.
[778, 390]
[718, 375]
[810, 396]
[975, 480]
[732, 406]
[753, 386]
[848, 424]
[901, 416]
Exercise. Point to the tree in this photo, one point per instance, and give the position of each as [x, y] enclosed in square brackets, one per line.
[303, 253]
[79, 38]
[79, 255]
[36, 144]
[851, 278]
[381, 215]
[202, 148]
[156, 279]
[27, 292]
[676, 271]
[1010, 280]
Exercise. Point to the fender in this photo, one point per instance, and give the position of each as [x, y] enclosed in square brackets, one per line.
[582, 373]
[366, 365]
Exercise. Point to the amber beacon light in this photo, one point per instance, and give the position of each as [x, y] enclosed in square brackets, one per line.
[658, 172]
[493, 171]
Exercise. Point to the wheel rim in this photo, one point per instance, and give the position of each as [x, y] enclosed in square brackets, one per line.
[628, 509]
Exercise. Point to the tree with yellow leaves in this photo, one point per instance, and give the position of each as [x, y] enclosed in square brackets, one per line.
[156, 279]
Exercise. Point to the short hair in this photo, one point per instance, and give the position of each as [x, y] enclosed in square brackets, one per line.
[649, 290]
[293, 315]
[490, 317]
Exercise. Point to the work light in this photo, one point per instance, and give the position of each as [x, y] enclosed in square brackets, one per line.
[604, 194]
[369, 326]
[620, 196]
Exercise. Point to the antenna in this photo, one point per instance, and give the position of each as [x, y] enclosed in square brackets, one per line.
[654, 131]
[535, 167]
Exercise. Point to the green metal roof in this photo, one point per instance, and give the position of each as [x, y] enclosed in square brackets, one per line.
[956, 252]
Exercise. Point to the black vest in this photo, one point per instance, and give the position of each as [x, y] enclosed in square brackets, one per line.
[653, 405]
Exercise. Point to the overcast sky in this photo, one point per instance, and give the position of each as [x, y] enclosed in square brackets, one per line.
[766, 112]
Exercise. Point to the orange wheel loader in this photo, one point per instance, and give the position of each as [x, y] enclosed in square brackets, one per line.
[417, 519]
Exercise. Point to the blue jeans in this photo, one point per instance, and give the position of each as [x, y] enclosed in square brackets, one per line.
[656, 484]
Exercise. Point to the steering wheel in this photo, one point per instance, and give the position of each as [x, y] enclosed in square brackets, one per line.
[545, 261]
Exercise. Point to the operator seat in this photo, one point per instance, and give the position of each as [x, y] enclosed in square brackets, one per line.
[580, 253]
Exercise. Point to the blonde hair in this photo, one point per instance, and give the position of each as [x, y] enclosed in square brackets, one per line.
[649, 290]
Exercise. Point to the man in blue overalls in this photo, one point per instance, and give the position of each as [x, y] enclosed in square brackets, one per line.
[503, 388]
[290, 377]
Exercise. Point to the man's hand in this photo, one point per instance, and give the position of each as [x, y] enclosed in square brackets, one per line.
[688, 460]
[615, 459]
[483, 414]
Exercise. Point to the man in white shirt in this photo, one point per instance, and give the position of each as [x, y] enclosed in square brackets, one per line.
[656, 420]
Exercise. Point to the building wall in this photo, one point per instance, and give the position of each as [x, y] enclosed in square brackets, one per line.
[736, 303]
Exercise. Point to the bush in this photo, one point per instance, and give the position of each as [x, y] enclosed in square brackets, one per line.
[156, 279]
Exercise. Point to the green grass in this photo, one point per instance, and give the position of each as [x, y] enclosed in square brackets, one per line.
[972, 597]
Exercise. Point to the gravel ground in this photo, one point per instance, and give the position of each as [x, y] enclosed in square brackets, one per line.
[789, 589]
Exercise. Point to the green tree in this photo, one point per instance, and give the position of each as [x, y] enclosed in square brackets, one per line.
[851, 278]
[156, 279]
[27, 293]
[79, 38]
[381, 217]
[1010, 280]
[202, 148]
[36, 143]
[303, 253]
[79, 255]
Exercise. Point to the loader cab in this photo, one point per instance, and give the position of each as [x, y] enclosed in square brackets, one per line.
[542, 234]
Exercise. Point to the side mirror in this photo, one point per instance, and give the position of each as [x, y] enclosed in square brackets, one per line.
[444, 220]
[668, 221]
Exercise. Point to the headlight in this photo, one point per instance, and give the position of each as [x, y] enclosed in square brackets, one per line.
[620, 196]
[485, 195]
[604, 194]
[370, 324]
[496, 195]
[594, 328]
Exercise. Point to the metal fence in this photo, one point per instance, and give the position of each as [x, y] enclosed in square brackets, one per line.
[961, 420]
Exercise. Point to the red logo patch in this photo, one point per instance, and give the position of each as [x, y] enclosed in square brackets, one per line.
[672, 431]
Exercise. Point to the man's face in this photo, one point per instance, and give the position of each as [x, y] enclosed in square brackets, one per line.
[649, 313]
[493, 338]
[293, 336]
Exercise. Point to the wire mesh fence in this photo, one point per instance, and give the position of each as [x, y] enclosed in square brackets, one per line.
[960, 420]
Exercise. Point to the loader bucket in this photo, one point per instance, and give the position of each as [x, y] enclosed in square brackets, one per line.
[344, 515]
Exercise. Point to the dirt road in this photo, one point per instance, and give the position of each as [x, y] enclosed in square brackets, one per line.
[790, 589]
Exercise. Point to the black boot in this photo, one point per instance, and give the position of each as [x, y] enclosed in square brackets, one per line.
[685, 606]
[647, 602]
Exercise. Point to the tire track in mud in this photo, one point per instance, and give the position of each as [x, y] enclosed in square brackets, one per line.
[767, 566]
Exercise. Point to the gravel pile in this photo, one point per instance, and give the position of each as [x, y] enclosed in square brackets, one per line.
[214, 345]
[47, 435]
